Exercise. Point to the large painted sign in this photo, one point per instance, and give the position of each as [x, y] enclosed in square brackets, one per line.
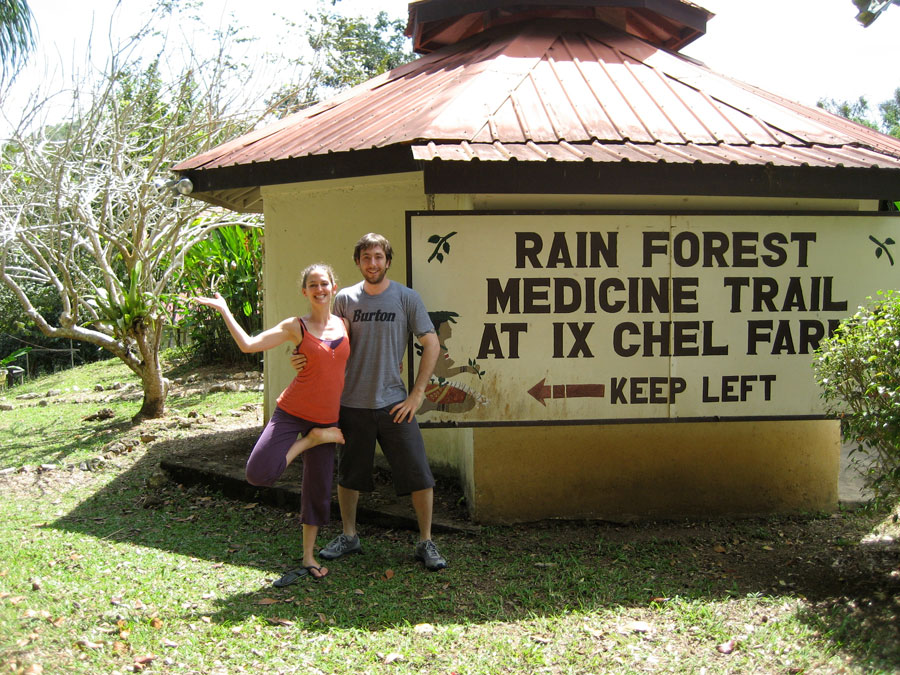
[561, 317]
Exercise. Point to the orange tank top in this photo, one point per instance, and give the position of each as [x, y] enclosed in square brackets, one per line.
[315, 394]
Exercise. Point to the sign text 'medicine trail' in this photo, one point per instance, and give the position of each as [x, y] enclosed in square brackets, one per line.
[661, 295]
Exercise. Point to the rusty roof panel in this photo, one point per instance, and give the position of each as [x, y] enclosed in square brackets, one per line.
[561, 91]
[819, 156]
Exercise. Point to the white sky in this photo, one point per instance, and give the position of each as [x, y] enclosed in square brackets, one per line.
[802, 49]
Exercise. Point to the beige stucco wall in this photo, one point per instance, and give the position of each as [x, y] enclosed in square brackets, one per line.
[526, 473]
[625, 471]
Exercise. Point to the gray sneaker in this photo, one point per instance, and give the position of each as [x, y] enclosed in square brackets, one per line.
[427, 552]
[341, 545]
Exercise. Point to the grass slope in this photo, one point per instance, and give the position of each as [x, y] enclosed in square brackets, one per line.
[108, 567]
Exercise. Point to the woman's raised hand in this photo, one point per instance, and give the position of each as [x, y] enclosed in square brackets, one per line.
[216, 302]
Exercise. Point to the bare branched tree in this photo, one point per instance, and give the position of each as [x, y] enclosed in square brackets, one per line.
[84, 210]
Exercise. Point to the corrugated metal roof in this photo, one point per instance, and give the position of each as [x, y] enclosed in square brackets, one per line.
[563, 91]
[815, 155]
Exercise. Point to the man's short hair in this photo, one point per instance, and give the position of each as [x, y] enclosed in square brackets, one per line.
[372, 240]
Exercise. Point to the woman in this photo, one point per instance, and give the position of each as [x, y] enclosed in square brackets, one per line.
[305, 420]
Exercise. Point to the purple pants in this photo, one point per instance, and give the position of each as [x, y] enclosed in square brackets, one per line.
[268, 461]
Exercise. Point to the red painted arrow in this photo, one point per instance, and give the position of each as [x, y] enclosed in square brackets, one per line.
[542, 391]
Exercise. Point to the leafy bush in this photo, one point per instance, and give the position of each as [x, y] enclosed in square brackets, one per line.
[228, 261]
[858, 369]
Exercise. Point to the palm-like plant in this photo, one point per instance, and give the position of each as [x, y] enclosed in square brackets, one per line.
[16, 35]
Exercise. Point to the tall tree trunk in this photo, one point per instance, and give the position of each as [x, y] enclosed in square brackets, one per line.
[156, 388]
[147, 333]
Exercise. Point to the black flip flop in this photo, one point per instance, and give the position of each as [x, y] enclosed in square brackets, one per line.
[291, 577]
[312, 576]
[294, 576]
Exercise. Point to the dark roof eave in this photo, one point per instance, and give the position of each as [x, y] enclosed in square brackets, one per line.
[372, 162]
[447, 177]
[551, 177]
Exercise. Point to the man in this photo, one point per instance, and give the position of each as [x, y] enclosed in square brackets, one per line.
[375, 405]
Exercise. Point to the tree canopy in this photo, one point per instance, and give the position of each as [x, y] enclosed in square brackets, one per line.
[886, 117]
[92, 235]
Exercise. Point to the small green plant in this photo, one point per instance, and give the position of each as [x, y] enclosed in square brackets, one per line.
[858, 369]
[5, 361]
[134, 307]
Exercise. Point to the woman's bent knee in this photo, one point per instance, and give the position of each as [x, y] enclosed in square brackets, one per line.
[256, 476]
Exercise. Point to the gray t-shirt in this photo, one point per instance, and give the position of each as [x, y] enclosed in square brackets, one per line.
[380, 326]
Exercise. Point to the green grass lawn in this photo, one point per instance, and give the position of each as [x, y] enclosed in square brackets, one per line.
[110, 568]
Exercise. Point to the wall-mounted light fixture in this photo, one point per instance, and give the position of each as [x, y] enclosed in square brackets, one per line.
[870, 9]
[182, 186]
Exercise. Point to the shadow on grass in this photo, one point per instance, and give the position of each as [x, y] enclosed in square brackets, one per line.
[65, 436]
[851, 592]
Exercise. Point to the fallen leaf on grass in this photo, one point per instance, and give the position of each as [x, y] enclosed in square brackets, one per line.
[392, 657]
[425, 628]
[541, 640]
[156, 622]
[36, 584]
[37, 614]
[252, 505]
[359, 591]
[34, 669]
[388, 575]
[726, 647]
[267, 601]
[718, 548]
[87, 644]
[119, 647]
[27, 640]
[168, 643]
[638, 627]
[277, 621]
[141, 662]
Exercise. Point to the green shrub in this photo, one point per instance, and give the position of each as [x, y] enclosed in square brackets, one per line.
[858, 369]
[228, 261]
